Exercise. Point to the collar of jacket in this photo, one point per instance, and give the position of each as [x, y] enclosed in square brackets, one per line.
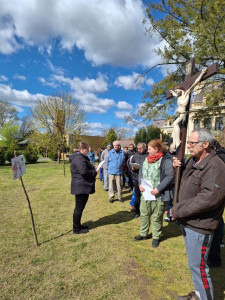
[205, 161]
[114, 151]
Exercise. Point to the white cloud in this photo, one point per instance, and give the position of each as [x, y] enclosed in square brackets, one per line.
[124, 105]
[93, 104]
[97, 125]
[129, 82]
[47, 83]
[18, 108]
[167, 69]
[149, 81]
[3, 78]
[132, 82]
[109, 32]
[85, 91]
[23, 98]
[95, 128]
[98, 85]
[20, 77]
[121, 114]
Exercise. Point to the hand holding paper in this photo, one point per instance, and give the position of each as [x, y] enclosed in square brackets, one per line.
[147, 185]
[100, 165]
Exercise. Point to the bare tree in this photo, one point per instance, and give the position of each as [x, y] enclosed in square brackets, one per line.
[58, 116]
[26, 126]
[7, 113]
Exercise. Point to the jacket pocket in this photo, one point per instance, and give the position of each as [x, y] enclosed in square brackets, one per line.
[195, 180]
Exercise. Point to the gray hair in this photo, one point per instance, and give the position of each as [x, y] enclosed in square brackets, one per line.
[205, 136]
[116, 143]
[141, 145]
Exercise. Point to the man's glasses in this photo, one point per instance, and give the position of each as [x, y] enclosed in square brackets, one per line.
[193, 143]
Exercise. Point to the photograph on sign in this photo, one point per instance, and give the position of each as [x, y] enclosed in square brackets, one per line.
[18, 166]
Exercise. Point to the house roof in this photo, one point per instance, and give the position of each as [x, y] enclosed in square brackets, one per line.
[126, 143]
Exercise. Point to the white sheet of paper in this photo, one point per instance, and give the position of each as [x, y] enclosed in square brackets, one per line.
[100, 165]
[148, 188]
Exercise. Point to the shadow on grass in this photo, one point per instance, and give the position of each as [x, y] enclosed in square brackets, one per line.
[171, 231]
[117, 218]
[55, 238]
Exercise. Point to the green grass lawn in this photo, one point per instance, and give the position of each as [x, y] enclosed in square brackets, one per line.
[104, 264]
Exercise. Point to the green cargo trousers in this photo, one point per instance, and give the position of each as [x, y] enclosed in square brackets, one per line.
[156, 210]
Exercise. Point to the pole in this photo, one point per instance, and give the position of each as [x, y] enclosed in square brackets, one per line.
[181, 154]
[64, 168]
[31, 214]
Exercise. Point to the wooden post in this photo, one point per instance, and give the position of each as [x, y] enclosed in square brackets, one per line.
[29, 206]
[31, 213]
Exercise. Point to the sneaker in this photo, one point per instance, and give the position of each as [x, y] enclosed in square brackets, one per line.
[190, 296]
[222, 244]
[155, 243]
[82, 230]
[111, 200]
[136, 215]
[167, 219]
[139, 238]
[120, 200]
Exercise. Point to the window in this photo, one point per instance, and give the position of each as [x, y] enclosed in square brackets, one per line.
[196, 123]
[207, 123]
[219, 123]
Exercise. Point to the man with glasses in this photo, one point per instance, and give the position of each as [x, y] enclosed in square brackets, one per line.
[200, 206]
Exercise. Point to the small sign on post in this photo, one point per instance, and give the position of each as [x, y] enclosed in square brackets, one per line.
[18, 167]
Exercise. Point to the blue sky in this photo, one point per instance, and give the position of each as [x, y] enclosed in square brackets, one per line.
[94, 49]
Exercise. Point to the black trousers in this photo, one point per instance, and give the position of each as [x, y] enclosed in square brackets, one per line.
[80, 202]
[137, 196]
[214, 253]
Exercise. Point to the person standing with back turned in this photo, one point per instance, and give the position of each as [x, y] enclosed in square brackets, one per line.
[82, 184]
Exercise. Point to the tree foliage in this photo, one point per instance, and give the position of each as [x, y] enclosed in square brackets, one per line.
[10, 134]
[146, 134]
[7, 113]
[110, 137]
[31, 154]
[54, 118]
[191, 28]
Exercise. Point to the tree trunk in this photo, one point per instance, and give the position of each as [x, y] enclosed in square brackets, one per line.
[59, 153]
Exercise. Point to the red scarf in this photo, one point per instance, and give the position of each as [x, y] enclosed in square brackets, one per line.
[154, 158]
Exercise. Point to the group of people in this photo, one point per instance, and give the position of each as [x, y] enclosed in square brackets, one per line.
[151, 174]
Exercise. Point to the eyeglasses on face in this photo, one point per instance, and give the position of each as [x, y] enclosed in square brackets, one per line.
[193, 143]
